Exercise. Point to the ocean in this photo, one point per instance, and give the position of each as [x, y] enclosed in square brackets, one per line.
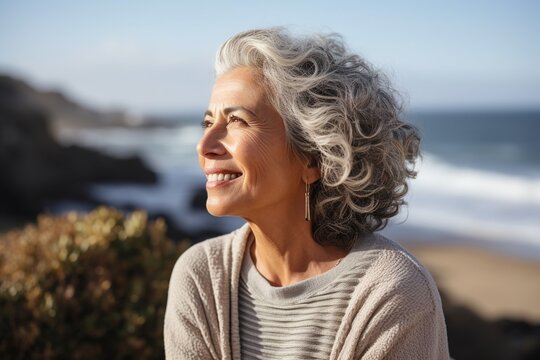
[478, 180]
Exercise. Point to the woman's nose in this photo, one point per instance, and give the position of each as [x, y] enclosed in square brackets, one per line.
[211, 143]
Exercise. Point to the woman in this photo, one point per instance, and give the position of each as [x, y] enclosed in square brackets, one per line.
[304, 141]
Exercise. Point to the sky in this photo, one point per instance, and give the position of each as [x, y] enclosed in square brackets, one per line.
[157, 57]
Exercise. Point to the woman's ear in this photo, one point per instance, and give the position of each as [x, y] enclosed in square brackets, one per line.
[312, 172]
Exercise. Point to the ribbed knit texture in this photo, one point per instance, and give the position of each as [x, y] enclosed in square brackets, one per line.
[394, 311]
[299, 321]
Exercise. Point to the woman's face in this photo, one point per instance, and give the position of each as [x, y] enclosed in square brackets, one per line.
[243, 151]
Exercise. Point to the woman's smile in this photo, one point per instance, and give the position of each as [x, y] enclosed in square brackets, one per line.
[221, 178]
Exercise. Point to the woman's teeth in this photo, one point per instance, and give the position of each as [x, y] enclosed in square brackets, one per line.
[220, 177]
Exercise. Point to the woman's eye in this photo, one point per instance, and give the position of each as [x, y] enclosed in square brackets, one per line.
[206, 124]
[234, 118]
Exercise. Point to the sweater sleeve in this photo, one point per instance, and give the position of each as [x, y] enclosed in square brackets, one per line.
[402, 317]
[186, 330]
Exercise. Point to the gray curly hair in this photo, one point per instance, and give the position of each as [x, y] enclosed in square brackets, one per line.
[343, 116]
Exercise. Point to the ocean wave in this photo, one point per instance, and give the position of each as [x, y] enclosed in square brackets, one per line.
[474, 203]
[437, 176]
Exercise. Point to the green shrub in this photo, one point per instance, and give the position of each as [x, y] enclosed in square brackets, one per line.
[85, 287]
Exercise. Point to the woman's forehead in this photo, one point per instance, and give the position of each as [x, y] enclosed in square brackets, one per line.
[239, 87]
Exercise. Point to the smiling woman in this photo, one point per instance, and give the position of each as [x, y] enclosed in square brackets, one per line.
[304, 141]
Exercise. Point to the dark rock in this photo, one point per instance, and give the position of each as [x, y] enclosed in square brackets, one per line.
[36, 169]
[472, 337]
[522, 338]
[61, 111]
[198, 200]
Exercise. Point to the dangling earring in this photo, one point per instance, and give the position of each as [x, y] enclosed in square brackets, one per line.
[307, 214]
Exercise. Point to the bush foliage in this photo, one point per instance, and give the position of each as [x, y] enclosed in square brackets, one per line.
[85, 286]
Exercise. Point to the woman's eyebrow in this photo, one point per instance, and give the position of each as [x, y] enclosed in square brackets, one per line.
[231, 109]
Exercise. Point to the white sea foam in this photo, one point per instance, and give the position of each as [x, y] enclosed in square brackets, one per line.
[437, 176]
[474, 203]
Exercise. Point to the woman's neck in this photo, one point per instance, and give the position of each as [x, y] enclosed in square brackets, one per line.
[287, 254]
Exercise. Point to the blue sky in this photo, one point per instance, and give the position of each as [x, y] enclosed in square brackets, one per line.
[157, 56]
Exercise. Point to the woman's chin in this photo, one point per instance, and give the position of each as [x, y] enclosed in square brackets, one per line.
[217, 214]
[218, 211]
[220, 205]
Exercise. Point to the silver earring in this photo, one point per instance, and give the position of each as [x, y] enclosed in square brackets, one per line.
[307, 214]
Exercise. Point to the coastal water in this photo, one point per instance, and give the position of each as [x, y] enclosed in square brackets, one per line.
[479, 179]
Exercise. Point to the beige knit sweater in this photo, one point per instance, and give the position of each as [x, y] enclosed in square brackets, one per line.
[394, 313]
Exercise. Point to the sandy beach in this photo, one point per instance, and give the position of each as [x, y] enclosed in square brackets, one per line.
[493, 284]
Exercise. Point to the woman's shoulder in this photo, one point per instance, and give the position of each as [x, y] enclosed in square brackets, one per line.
[400, 275]
[396, 310]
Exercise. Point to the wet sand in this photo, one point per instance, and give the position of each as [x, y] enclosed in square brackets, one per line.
[492, 284]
